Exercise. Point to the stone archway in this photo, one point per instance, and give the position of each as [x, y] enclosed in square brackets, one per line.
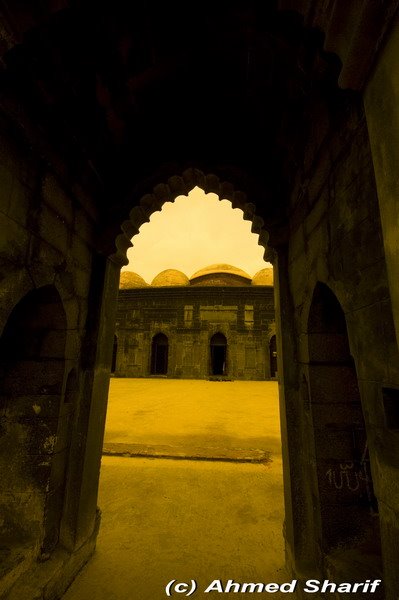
[34, 459]
[182, 184]
[356, 32]
[346, 503]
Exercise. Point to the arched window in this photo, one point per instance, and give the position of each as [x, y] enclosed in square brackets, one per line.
[218, 354]
[159, 354]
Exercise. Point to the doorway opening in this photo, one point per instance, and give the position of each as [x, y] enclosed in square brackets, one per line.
[163, 407]
[159, 354]
[114, 354]
[273, 356]
[218, 353]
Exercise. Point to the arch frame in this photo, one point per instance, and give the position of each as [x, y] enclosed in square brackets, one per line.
[25, 280]
[180, 185]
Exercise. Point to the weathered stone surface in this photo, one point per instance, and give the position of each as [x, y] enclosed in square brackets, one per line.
[189, 316]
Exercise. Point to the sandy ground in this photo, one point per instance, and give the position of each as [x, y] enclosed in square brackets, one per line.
[186, 520]
[193, 417]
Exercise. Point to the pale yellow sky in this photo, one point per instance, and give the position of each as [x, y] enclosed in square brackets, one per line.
[193, 232]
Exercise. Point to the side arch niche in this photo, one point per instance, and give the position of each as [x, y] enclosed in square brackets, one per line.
[32, 351]
[347, 505]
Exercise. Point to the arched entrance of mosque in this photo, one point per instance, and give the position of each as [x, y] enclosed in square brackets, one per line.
[218, 353]
[346, 501]
[35, 424]
[159, 354]
[273, 356]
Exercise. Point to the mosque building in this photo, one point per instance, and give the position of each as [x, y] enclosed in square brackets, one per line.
[217, 324]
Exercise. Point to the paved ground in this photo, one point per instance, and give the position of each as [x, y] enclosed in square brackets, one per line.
[204, 419]
[187, 519]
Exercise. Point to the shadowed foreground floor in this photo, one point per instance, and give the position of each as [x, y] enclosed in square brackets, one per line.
[165, 519]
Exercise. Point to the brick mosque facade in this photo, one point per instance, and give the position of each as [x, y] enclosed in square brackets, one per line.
[217, 324]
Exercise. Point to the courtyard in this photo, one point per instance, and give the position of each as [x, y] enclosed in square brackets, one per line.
[191, 488]
[183, 418]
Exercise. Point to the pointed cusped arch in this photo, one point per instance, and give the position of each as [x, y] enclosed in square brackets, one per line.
[181, 185]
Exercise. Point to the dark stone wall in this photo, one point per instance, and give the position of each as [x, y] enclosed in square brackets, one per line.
[46, 274]
[189, 317]
[335, 238]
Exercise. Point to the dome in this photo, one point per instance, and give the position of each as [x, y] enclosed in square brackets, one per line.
[170, 277]
[129, 280]
[220, 274]
[263, 277]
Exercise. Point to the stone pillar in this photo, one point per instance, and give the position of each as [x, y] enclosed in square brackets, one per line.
[381, 102]
[82, 518]
[301, 544]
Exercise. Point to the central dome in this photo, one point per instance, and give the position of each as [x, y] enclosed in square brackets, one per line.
[220, 274]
